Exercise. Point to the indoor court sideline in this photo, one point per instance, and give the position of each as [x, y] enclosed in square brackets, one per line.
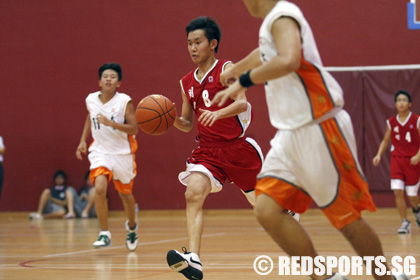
[232, 240]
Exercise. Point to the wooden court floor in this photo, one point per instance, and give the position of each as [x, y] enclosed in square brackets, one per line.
[232, 240]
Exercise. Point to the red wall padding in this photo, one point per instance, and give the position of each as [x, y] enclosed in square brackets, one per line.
[51, 50]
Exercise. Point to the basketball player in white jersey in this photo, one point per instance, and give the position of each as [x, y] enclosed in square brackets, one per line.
[113, 125]
[313, 154]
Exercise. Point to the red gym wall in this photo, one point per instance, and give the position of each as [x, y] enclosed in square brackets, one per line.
[51, 50]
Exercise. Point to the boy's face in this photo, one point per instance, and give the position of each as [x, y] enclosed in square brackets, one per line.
[402, 104]
[59, 180]
[199, 47]
[109, 80]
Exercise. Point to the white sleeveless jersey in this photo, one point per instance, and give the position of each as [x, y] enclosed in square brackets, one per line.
[307, 95]
[107, 140]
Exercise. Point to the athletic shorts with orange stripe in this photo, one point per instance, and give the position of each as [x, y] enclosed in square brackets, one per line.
[317, 162]
[119, 168]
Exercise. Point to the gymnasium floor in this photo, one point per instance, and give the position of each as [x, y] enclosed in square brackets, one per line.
[62, 249]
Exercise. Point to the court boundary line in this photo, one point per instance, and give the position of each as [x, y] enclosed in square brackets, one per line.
[123, 246]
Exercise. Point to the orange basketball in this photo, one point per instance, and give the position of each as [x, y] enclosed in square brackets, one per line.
[155, 114]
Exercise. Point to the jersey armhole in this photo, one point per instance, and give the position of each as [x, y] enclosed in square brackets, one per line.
[182, 86]
[225, 64]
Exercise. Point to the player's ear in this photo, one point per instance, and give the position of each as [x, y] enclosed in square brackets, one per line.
[213, 44]
[119, 84]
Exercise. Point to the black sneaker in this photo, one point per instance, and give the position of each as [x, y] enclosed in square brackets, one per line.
[187, 263]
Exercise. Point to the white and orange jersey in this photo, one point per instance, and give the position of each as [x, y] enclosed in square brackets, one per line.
[107, 140]
[307, 95]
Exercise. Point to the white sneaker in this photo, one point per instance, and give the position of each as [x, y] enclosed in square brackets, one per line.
[337, 276]
[401, 277]
[35, 216]
[296, 216]
[405, 227]
[104, 239]
[131, 241]
[187, 263]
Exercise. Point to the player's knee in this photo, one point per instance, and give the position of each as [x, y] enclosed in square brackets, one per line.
[126, 197]
[413, 198]
[262, 212]
[46, 192]
[100, 190]
[193, 195]
[399, 193]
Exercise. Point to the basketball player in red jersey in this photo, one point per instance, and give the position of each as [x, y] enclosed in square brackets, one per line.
[224, 154]
[403, 130]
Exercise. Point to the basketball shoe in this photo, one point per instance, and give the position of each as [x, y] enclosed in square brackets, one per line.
[296, 216]
[104, 239]
[131, 241]
[337, 277]
[417, 214]
[405, 227]
[401, 277]
[187, 263]
[35, 216]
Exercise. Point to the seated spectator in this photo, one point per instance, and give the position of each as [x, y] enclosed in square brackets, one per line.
[54, 201]
[83, 200]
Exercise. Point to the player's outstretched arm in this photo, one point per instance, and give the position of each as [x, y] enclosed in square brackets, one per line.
[185, 121]
[233, 71]
[231, 92]
[286, 34]
[240, 105]
[416, 158]
[382, 147]
[82, 148]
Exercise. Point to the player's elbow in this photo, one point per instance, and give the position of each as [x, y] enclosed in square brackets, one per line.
[287, 64]
[292, 64]
[242, 105]
[135, 130]
[183, 125]
[185, 129]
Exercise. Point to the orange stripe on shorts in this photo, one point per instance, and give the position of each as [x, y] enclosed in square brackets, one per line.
[353, 193]
[311, 78]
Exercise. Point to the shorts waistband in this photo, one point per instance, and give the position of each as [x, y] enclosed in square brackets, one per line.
[222, 143]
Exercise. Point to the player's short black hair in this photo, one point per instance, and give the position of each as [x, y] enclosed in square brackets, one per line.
[403, 92]
[112, 66]
[60, 173]
[210, 27]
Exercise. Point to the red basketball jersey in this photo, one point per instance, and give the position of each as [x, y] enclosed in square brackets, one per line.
[404, 136]
[200, 94]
